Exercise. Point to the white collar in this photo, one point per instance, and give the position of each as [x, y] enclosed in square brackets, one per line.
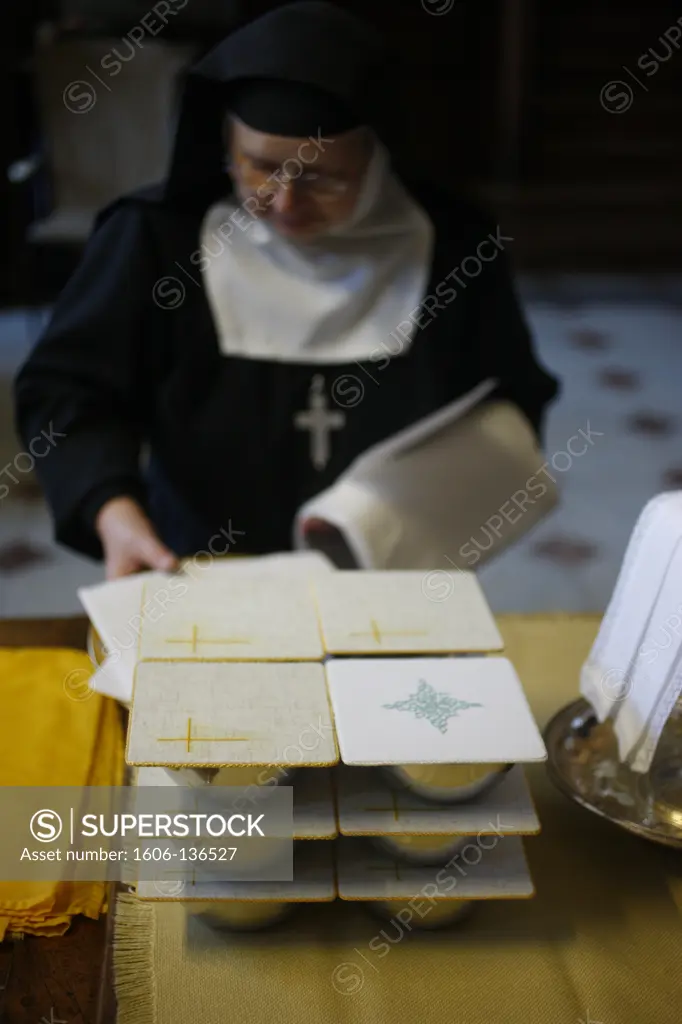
[334, 301]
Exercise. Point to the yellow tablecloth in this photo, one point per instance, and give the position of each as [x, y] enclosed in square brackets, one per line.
[601, 941]
[56, 732]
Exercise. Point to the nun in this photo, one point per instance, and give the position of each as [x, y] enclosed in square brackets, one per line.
[288, 297]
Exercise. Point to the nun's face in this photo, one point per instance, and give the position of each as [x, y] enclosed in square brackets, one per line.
[302, 187]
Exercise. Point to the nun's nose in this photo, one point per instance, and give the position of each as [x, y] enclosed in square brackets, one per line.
[285, 199]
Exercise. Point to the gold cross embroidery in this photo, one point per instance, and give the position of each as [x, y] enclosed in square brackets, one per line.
[379, 634]
[189, 739]
[195, 639]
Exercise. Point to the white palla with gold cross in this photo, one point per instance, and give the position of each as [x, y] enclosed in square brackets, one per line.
[364, 675]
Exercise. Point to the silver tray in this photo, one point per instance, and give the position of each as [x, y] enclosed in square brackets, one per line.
[583, 763]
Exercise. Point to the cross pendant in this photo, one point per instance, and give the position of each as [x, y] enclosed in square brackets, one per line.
[320, 421]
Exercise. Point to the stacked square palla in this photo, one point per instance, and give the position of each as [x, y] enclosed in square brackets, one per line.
[384, 700]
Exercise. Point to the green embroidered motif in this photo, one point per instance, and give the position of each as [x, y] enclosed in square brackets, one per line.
[438, 708]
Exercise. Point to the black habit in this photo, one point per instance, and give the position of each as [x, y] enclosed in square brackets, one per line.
[130, 372]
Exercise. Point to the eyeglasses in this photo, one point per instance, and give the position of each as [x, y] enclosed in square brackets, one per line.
[266, 182]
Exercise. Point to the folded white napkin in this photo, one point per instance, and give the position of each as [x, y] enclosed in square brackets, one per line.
[116, 611]
[632, 675]
[453, 491]
[654, 689]
[641, 756]
[113, 680]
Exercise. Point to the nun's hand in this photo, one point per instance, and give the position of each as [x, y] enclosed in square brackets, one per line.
[129, 540]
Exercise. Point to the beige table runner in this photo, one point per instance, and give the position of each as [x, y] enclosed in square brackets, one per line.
[601, 941]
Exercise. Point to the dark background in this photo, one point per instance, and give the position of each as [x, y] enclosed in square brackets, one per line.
[503, 97]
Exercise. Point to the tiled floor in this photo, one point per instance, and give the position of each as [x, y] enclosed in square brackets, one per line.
[617, 347]
[620, 364]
